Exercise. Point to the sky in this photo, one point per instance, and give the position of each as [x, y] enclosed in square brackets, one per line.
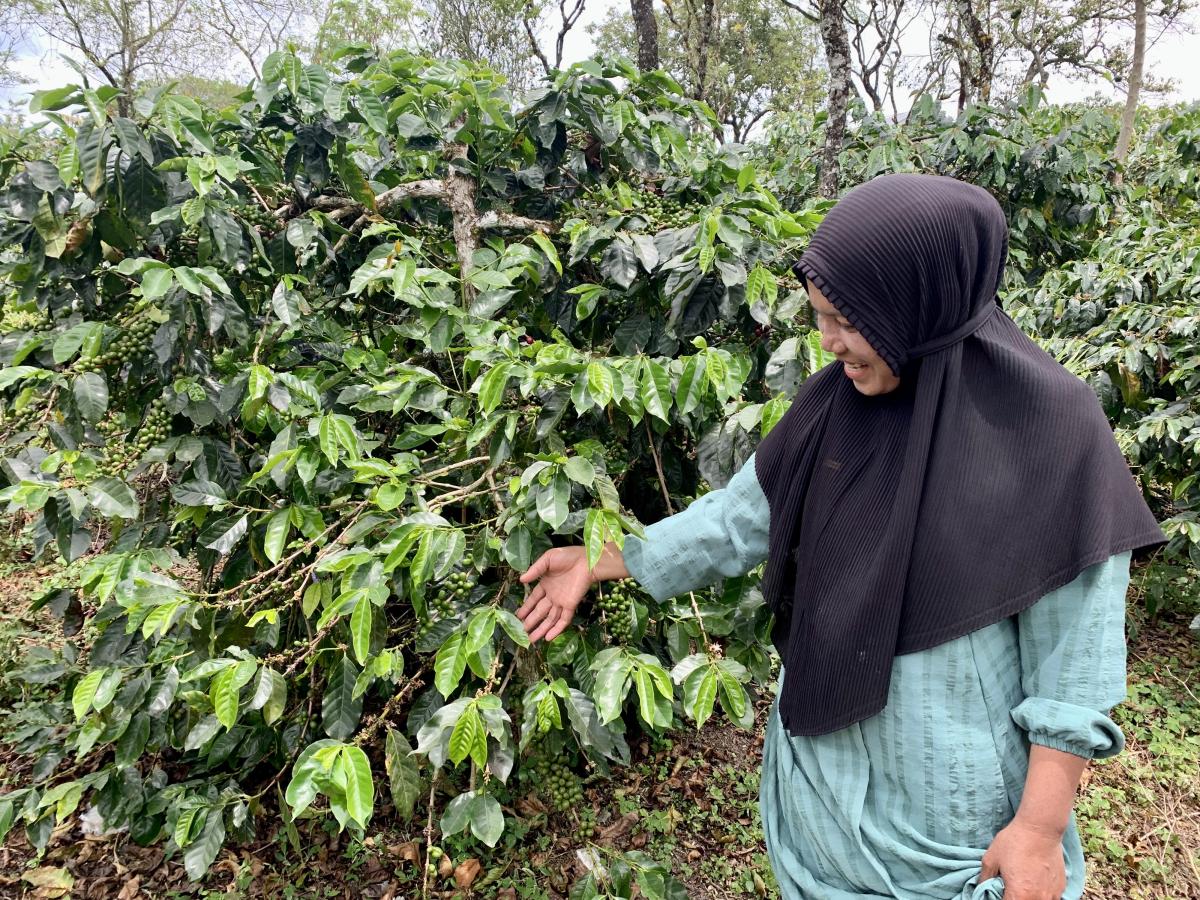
[1172, 56]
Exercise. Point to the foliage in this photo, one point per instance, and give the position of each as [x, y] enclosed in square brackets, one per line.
[751, 60]
[307, 379]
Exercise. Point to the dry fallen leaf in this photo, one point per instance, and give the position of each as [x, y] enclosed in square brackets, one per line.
[618, 829]
[445, 867]
[49, 882]
[130, 889]
[407, 851]
[466, 872]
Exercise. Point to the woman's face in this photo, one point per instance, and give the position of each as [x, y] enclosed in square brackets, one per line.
[862, 365]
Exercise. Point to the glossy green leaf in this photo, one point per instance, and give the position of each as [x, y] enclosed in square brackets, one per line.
[202, 852]
[693, 384]
[491, 389]
[547, 247]
[279, 524]
[450, 664]
[360, 629]
[403, 772]
[487, 819]
[85, 692]
[360, 788]
[340, 709]
[113, 498]
[91, 395]
[467, 737]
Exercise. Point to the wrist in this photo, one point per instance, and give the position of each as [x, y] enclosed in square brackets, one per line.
[1050, 827]
[610, 566]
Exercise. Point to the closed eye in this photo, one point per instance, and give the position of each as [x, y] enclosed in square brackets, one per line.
[843, 324]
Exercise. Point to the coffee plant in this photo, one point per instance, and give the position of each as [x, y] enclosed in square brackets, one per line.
[297, 387]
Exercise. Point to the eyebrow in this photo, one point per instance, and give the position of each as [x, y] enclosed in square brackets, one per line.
[835, 314]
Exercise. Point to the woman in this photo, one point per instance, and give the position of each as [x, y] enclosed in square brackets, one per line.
[947, 523]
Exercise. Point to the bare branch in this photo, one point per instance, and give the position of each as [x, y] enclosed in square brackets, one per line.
[495, 219]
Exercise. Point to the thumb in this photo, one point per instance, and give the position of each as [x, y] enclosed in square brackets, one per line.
[988, 868]
[537, 569]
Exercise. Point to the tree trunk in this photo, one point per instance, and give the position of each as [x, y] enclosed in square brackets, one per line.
[707, 22]
[837, 57]
[1135, 81]
[981, 70]
[646, 26]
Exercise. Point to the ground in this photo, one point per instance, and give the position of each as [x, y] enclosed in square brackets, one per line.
[688, 801]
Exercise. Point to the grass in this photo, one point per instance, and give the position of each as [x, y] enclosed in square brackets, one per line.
[1139, 813]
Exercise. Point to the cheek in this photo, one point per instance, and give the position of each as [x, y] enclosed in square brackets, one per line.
[884, 378]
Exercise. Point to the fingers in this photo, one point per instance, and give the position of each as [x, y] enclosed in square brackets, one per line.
[536, 615]
[563, 621]
[538, 569]
[531, 601]
[551, 624]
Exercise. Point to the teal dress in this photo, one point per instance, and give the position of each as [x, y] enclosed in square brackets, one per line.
[905, 803]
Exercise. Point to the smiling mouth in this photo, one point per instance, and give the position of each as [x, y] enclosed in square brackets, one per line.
[855, 367]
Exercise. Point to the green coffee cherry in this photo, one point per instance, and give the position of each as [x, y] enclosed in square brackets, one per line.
[616, 607]
[557, 784]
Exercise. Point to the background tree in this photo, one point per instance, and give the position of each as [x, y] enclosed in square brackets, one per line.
[536, 17]
[252, 28]
[484, 31]
[830, 16]
[876, 31]
[1135, 82]
[758, 58]
[980, 49]
[120, 41]
[645, 26]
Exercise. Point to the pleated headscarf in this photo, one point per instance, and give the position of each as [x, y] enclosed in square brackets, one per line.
[987, 479]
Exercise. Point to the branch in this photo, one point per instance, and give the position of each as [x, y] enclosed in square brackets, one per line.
[808, 12]
[494, 219]
[533, 42]
[433, 188]
[568, 22]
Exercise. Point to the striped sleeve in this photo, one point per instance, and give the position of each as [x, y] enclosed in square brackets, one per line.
[1073, 662]
[721, 535]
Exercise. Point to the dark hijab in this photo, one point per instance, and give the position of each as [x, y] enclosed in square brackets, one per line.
[987, 479]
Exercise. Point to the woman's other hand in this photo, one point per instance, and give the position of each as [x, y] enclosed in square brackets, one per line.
[563, 579]
[1029, 859]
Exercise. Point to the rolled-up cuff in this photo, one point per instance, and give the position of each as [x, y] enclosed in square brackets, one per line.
[653, 581]
[1072, 729]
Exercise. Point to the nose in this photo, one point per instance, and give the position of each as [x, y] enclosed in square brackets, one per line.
[830, 341]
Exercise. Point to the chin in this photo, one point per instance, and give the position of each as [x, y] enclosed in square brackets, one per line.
[876, 386]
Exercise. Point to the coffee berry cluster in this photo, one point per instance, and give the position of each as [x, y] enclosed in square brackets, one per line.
[450, 593]
[557, 783]
[616, 608]
[586, 829]
[668, 211]
[132, 341]
[23, 419]
[119, 455]
[252, 214]
[155, 427]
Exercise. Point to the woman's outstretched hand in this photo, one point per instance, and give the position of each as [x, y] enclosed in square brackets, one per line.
[563, 579]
